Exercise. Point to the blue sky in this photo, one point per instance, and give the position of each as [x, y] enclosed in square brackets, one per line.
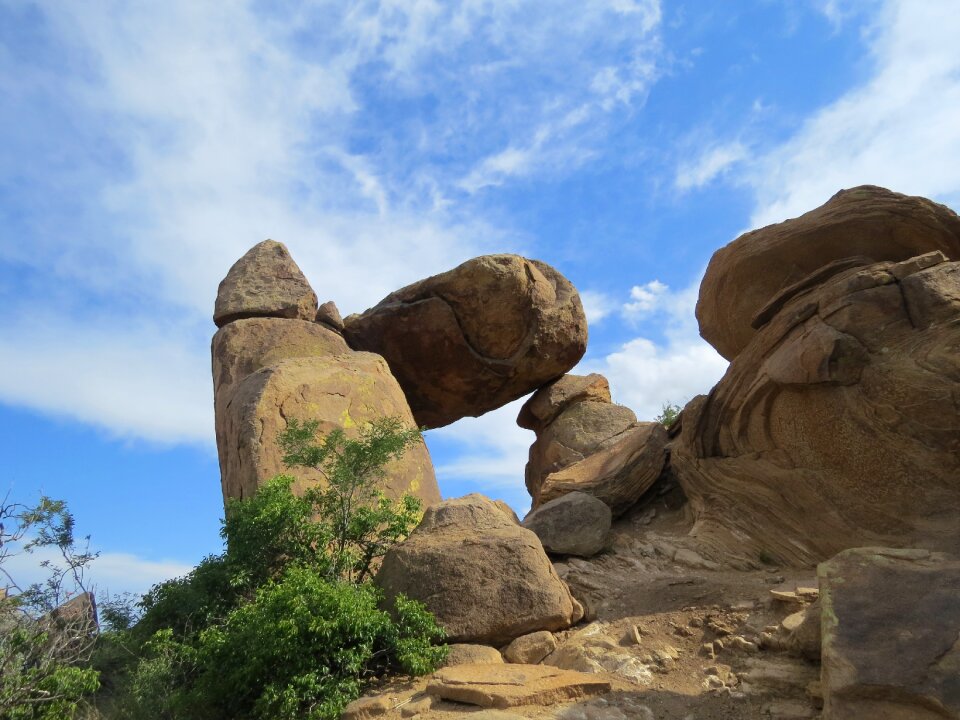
[145, 146]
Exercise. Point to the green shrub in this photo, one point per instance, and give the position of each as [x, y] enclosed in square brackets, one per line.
[285, 623]
[669, 415]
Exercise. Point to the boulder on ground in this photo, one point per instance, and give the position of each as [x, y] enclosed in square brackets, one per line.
[472, 654]
[265, 282]
[504, 686]
[530, 649]
[486, 579]
[619, 474]
[862, 225]
[340, 391]
[572, 524]
[891, 635]
[838, 425]
[476, 337]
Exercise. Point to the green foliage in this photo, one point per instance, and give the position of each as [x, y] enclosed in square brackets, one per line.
[44, 653]
[669, 415]
[285, 623]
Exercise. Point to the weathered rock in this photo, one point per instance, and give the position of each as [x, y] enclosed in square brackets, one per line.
[838, 425]
[618, 474]
[265, 282]
[580, 430]
[865, 224]
[891, 635]
[476, 337]
[504, 686]
[591, 650]
[329, 314]
[486, 579]
[344, 391]
[552, 399]
[572, 524]
[242, 347]
[803, 630]
[471, 654]
[530, 649]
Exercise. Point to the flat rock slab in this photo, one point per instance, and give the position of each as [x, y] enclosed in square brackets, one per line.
[891, 635]
[504, 686]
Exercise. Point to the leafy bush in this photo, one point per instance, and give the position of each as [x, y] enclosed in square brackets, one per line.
[45, 645]
[669, 415]
[285, 623]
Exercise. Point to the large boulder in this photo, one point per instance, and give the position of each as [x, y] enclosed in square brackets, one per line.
[476, 337]
[838, 425]
[340, 391]
[862, 225]
[265, 282]
[486, 579]
[891, 635]
[572, 524]
[555, 397]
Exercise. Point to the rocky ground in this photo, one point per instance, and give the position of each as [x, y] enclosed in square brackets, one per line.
[675, 636]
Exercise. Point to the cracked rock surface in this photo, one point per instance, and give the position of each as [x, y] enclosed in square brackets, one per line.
[476, 337]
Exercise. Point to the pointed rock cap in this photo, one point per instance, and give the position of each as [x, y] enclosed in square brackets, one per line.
[265, 282]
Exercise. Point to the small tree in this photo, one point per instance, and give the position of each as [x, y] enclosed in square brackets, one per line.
[47, 629]
[669, 415]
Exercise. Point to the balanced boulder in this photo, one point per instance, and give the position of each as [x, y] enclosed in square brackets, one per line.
[486, 579]
[838, 425]
[863, 225]
[891, 635]
[265, 282]
[572, 524]
[476, 337]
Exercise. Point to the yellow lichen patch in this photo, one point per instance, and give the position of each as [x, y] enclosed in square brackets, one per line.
[345, 420]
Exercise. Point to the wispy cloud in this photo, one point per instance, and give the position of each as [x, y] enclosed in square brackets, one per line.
[710, 164]
[899, 129]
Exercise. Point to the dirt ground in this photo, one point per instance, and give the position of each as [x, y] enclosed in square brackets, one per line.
[679, 638]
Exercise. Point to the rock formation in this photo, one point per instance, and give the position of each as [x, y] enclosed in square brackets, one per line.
[572, 524]
[866, 224]
[837, 424]
[273, 363]
[485, 578]
[586, 443]
[891, 635]
[476, 337]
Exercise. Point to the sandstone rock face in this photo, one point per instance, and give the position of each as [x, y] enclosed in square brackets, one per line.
[476, 337]
[573, 524]
[588, 444]
[862, 225]
[891, 635]
[265, 282]
[329, 315]
[486, 579]
[503, 686]
[343, 391]
[837, 425]
[618, 474]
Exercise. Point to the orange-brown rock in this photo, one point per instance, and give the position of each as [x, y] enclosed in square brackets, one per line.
[552, 399]
[618, 474]
[486, 579]
[265, 282]
[504, 686]
[340, 391]
[862, 225]
[476, 337]
[838, 425]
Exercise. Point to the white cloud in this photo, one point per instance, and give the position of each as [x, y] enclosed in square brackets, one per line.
[899, 129]
[145, 381]
[710, 164]
[112, 573]
[644, 299]
[597, 305]
[644, 374]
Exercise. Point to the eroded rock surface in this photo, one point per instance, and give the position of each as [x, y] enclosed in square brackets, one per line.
[891, 635]
[340, 391]
[265, 282]
[503, 686]
[572, 524]
[485, 578]
[839, 423]
[863, 225]
[476, 337]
